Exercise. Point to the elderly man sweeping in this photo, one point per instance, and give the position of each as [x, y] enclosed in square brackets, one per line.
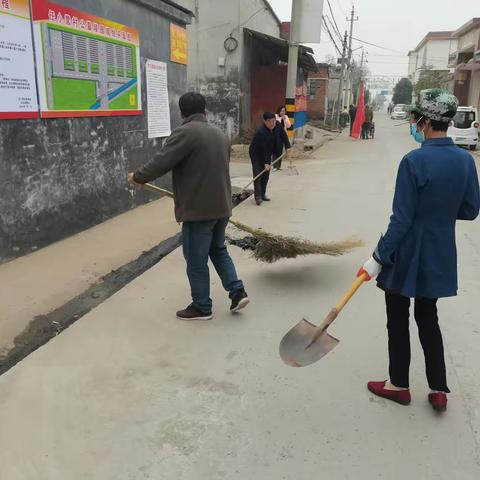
[198, 155]
[437, 185]
[261, 151]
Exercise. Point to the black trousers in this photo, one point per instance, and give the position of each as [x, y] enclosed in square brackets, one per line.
[398, 313]
[274, 157]
[260, 185]
[366, 130]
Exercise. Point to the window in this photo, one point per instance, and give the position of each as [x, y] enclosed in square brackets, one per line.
[464, 119]
[312, 88]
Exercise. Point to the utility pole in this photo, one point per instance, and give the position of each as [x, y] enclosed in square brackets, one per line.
[342, 80]
[292, 67]
[362, 61]
[352, 19]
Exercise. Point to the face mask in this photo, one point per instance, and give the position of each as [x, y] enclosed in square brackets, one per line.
[418, 136]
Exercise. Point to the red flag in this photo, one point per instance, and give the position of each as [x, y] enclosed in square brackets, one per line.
[360, 116]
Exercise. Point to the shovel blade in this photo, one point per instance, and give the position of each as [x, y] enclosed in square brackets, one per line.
[297, 349]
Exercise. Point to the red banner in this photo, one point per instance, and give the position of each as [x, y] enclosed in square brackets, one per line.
[360, 116]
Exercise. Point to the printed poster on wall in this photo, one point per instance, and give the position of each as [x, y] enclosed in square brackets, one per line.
[87, 65]
[18, 96]
[157, 99]
[301, 103]
[178, 44]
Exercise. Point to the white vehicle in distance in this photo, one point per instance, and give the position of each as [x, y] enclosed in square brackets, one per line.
[464, 127]
[399, 112]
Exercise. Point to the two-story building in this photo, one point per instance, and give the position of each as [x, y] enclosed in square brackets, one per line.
[464, 82]
[433, 51]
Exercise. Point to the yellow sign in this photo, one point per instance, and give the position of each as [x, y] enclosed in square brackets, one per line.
[178, 44]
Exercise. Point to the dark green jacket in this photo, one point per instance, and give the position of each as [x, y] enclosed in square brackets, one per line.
[198, 155]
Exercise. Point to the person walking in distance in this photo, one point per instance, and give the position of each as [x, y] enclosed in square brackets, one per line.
[344, 117]
[368, 121]
[281, 137]
[436, 185]
[261, 151]
[352, 112]
[198, 154]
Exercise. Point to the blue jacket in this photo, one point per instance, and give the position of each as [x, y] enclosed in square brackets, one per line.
[437, 185]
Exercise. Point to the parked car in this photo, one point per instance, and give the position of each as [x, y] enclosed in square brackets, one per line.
[464, 127]
[399, 112]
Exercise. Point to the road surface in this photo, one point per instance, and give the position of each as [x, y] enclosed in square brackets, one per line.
[129, 392]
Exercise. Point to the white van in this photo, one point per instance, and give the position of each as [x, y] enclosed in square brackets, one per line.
[464, 127]
[399, 112]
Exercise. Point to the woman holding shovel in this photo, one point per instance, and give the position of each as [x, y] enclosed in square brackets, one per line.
[416, 258]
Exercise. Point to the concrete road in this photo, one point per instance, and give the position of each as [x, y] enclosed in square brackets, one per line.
[128, 392]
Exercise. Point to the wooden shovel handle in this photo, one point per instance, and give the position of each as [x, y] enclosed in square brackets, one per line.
[351, 292]
[333, 314]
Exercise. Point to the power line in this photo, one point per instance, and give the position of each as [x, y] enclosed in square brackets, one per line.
[249, 18]
[378, 46]
[333, 18]
[339, 36]
[332, 41]
[330, 35]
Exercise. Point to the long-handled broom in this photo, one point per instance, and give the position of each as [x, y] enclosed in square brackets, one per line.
[270, 248]
[244, 193]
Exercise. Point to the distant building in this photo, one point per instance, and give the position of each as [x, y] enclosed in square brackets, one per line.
[238, 60]
[433, 51]
[317, 96]
[464, 81]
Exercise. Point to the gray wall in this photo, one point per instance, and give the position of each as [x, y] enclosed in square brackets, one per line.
[61, 176]
[226, 88]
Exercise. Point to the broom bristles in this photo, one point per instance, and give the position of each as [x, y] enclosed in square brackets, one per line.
[271, 248]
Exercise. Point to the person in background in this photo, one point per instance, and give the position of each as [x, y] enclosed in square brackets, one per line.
[281, 136]
[282, 117]
[436, 185]
[344, 117]
[352, 112]
[367, 124]
[261, 151]
[198, 155]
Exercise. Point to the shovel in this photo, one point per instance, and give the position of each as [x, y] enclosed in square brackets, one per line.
[306, 343]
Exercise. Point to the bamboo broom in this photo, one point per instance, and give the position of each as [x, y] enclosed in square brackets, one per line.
[271, 248]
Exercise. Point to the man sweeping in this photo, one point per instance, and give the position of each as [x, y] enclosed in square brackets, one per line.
[437, 185]
[261, 151]
[198, 155]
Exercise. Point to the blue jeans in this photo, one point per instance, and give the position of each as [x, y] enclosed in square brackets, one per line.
[200, 241]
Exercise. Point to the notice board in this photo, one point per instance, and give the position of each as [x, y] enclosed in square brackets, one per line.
[86, 65]
[157, 98]
[18, 96]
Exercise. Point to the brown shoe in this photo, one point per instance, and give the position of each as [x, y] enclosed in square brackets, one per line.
[192, 313]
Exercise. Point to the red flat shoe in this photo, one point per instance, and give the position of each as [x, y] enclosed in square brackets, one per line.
[399, 396]
[438, 401]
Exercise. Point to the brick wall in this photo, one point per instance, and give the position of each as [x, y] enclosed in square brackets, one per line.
[317, 93]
